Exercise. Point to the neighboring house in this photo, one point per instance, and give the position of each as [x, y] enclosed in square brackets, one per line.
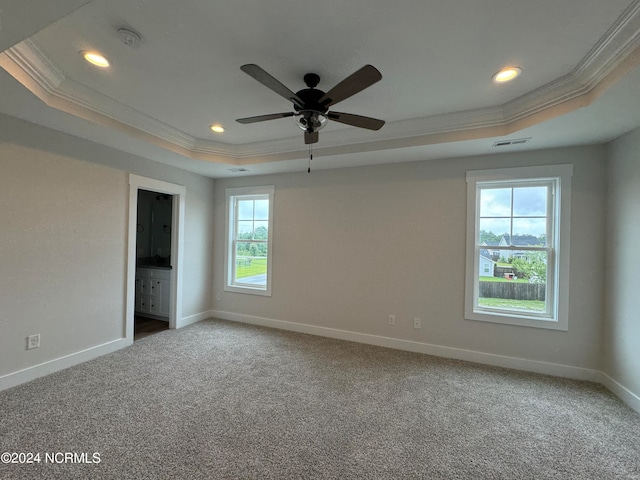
[516, 240]
[492, 251]
[486, 264]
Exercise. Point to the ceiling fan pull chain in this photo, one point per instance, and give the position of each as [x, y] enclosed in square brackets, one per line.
[310, 158]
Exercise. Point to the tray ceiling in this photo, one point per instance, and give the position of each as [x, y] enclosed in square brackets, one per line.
[579, 58]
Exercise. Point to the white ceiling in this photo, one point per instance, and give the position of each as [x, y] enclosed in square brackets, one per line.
[580, 81]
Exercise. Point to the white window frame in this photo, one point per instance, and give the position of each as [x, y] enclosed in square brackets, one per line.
[559, 218]
[232, 194]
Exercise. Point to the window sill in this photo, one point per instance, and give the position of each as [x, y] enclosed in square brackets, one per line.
[248, 290]
[511, 318]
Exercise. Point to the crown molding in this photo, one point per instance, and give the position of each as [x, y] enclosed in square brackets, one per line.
[617, 52]
[619, 43]
[32, 62]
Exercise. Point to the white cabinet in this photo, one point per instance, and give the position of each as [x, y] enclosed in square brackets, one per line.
[153, 292]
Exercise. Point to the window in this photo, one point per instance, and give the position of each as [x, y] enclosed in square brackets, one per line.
[518, 222]
[249, 235]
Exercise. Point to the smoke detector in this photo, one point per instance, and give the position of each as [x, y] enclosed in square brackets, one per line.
[129, 37]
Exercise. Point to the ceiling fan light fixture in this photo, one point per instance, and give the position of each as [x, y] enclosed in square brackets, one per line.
[217, 128]
[311, 120]
[507, 74]
[95, 58]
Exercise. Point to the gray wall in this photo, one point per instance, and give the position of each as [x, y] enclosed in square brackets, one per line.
[63, 242]
[352, 246]
[621, 352]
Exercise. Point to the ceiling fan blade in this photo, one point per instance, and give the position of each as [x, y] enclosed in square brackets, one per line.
[262, 118]
[310, 138]
[356, 120]
[354, 83]
[270, 82]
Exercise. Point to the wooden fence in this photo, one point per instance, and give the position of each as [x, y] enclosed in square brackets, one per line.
[513, 290]
[500, 271]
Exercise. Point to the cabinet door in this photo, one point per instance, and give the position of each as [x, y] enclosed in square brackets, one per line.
[145, 303]
[165, 296]
[138, 298]
[154, 304]
[154, 287]
[146, 286]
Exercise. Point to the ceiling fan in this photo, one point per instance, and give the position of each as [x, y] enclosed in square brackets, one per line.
[311, 106]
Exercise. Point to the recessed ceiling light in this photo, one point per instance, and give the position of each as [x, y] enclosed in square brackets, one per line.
[507, 74]
[96, 59]
[217, 128]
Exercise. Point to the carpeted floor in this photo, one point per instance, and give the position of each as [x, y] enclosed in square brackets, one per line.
[221, 400]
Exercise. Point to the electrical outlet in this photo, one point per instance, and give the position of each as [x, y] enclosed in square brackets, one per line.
[392, 319]
[33, 341]
[417, 323]
[218, 297]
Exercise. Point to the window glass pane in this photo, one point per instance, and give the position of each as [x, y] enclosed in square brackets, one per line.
[262, 209]
[261, 231]
[495, 202]
[245, 230]
[245, 209]
[492, 230]
[529, 231]
[242, 249]
[251, 264]
[243, 259]
[519, 285]
[530, 201]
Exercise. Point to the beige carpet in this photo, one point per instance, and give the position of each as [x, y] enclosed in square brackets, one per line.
[222, 400]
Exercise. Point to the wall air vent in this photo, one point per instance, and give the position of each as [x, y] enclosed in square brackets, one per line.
[518, 141]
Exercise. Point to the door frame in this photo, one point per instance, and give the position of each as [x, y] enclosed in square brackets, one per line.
[178, 192]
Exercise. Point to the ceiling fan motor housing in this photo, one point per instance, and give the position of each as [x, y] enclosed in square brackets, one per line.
[311, 99]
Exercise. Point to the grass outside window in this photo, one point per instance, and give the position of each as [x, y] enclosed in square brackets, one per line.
[257, 266]
[509, 304]
[501, 279]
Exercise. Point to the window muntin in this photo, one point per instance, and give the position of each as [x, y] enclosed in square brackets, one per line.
[515, 232]
[248, 262]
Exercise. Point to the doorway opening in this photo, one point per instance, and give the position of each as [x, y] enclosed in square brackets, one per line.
[145, 326]
[154, 260]
[153, 263]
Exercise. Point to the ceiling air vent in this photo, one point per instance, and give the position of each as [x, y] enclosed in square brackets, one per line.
[236, 170]
[518, 141]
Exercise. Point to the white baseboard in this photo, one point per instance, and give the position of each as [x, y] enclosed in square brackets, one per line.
[558, 370]
[31, 373]
[198, 317]
[535, 366]
[46, 368]
[626, 395]
[620, 391]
